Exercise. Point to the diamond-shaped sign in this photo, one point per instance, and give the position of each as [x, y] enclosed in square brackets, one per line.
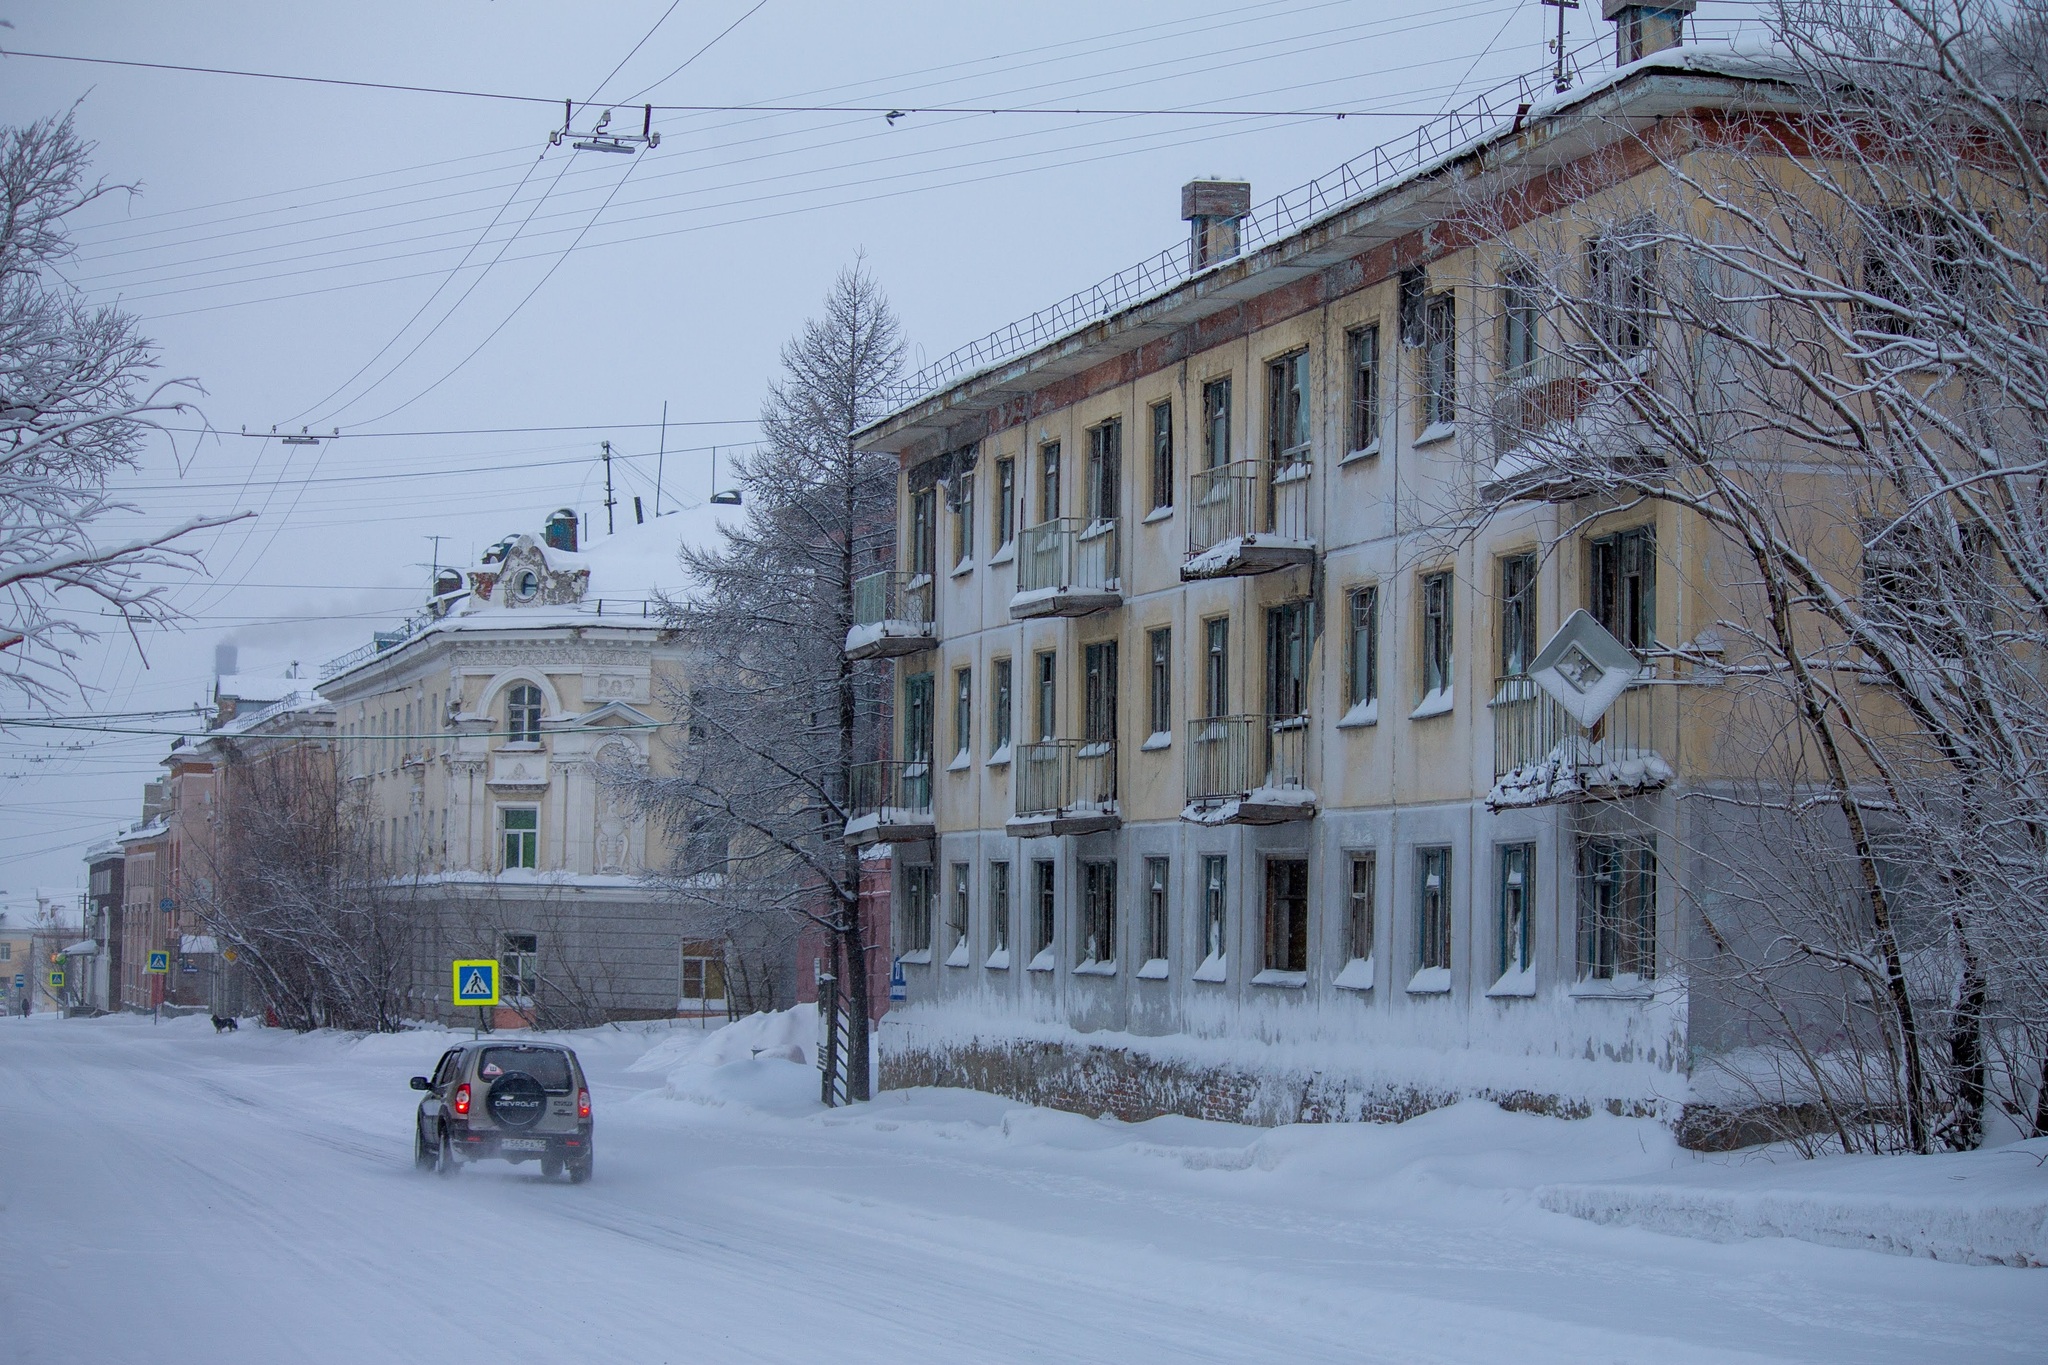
[1585, 668]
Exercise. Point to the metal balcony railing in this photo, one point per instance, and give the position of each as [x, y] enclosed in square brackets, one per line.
[1555, 389]
[1058, 778]
[892, 793]
[1072, 555]
[892, 596]
[1231, 757]
[1242, 501]
[1541, 754]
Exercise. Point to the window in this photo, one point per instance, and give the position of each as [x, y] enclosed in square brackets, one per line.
[1362, 653]
[1105, 470]
[999, 709]
[1287, 439]
[957, 912]
[1095, 945]
[1517, 614]
[520, 827]
[1361, 906]
[1621, 268]
[1287, 660]
[1623, 583]
[1044, 877]
[1156, 939]
[917, 909]
[1517, 872]
[1159, 644]
[1215, 912]
[1048, 695]
[1617, 908]
[1162, 455]
[1932, 253]
[523, 715]
[703, 973]
[519, 965]
[1364, 348]
[1006, 502]
[1286, 915]
[1099, 667]
[1049, 480]
[1519, 314]
[963, 711]
[1440, 360]
[1216, 666]
[923, 532]
[1436, 634]
[526, 585]
[1215, 423]
[962, 500]
[999, 910]
[917, 718]
[6, 952]
[1433, 908]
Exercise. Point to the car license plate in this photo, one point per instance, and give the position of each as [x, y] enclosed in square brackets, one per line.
[523, 1145]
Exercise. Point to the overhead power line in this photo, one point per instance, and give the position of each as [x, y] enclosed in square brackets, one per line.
[890, 111]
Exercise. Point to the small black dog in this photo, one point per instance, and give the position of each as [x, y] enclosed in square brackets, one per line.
[225, 1024]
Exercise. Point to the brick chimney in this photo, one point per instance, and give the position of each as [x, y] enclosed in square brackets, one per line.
[1213, 210]
[1640, 30]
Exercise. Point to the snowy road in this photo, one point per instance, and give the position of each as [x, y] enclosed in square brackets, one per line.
[168, 1195]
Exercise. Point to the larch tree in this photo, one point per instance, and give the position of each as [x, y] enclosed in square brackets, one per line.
[776, 716]
[77, 408]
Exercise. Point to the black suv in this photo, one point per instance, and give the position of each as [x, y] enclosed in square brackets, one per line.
[520, 1101]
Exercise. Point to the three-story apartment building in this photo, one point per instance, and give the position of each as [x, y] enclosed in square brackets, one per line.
[1224, 785]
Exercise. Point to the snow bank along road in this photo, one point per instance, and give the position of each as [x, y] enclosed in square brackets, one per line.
[169, 1195]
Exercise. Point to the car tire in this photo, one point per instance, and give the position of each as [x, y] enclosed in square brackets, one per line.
[579, 1171]
[424, 1157]
[448, 1164]
[550, 1166]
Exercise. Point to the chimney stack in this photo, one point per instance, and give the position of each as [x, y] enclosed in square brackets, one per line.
[1640, 30]
[1213, 209]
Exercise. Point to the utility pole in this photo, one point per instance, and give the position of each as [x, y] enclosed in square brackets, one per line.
[609, 501]
[1559, 76]
[661, 458]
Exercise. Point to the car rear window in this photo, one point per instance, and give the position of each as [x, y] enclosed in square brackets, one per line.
[544, 1064]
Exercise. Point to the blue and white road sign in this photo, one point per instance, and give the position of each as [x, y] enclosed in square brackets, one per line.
[20, 980]
[896, 982]
[476, 981]
[159, 962]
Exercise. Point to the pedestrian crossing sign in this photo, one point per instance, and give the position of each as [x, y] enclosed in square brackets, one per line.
[159, 962]
[56, 981]
[476, 981]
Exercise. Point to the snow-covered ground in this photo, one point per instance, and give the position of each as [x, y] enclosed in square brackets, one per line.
[170, 1195]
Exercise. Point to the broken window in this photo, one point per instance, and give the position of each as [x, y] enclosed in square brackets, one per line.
[957, 907]
[1361, 906]
[999, 907]
[1286, 915]
[1048, 696]
[923, 532]
[1362, 651]
[1517, 613]
[999, 708]
[1105, 470]
[1364, 348]
[1436, 634]
[1045, 874]
[1287, 649]
[1099, 666]
[1432, 908]
[1617, 908]
[917, 908]
[1006, 502]
[963, 711]
[1160, 645]
[1287, 410]
[1520, 314]
[1215, 423]
[1049, 481]
[1095, 945]
[962, 500]
[1623, 574]
[1215, 909]
[1621, 269]
[1517, 872]
[1162, 455]
[1440, 360]
[1156, 938]
[1216, 666]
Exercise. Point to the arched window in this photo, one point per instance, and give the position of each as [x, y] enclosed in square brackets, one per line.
[522, 713]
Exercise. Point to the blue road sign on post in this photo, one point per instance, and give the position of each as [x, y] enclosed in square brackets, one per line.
[159, 962]
[896, 982]
[20, 980]
[56, 981]
[476, 981]
[167, 905]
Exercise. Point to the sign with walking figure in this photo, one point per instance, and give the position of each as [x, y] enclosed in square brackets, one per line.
[476, 981]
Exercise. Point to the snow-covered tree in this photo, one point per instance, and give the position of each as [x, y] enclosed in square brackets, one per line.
[76, 408]
[1822, 333]
[776, 715]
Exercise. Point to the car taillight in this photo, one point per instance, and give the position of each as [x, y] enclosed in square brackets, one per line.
[583, 1104]
[462, 1099]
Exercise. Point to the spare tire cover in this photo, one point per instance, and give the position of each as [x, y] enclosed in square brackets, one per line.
[517, 1100]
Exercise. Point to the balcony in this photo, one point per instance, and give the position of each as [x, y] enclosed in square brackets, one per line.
[1064, 786]
[1248, 770]
[891, 802]
[1247, 518]
[1067, 567]
[1541, 756]
[1560, 429]
[892, 616]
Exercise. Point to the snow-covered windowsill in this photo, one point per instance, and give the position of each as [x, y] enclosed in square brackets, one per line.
[921, 958]
[1274, 977]
[1515, 983]
[1041, 963]
[998, 961]
[1095, 968]
[1434, 432]
[1000, 758]
[1435, 703]
[961, 761]
[1005, 552]
[1365, 713]
[1370, 452]
[1295, 470]
[1430, 981]
[963, 568]
[1154, 969]
[1215, 967]
[1158, 739]
[1158, 514]
[1356, 976]
[1613, 988]
[958, 957]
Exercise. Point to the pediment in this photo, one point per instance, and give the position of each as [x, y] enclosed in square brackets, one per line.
[615, 715]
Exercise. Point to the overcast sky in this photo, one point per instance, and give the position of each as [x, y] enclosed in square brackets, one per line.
[315, 255]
